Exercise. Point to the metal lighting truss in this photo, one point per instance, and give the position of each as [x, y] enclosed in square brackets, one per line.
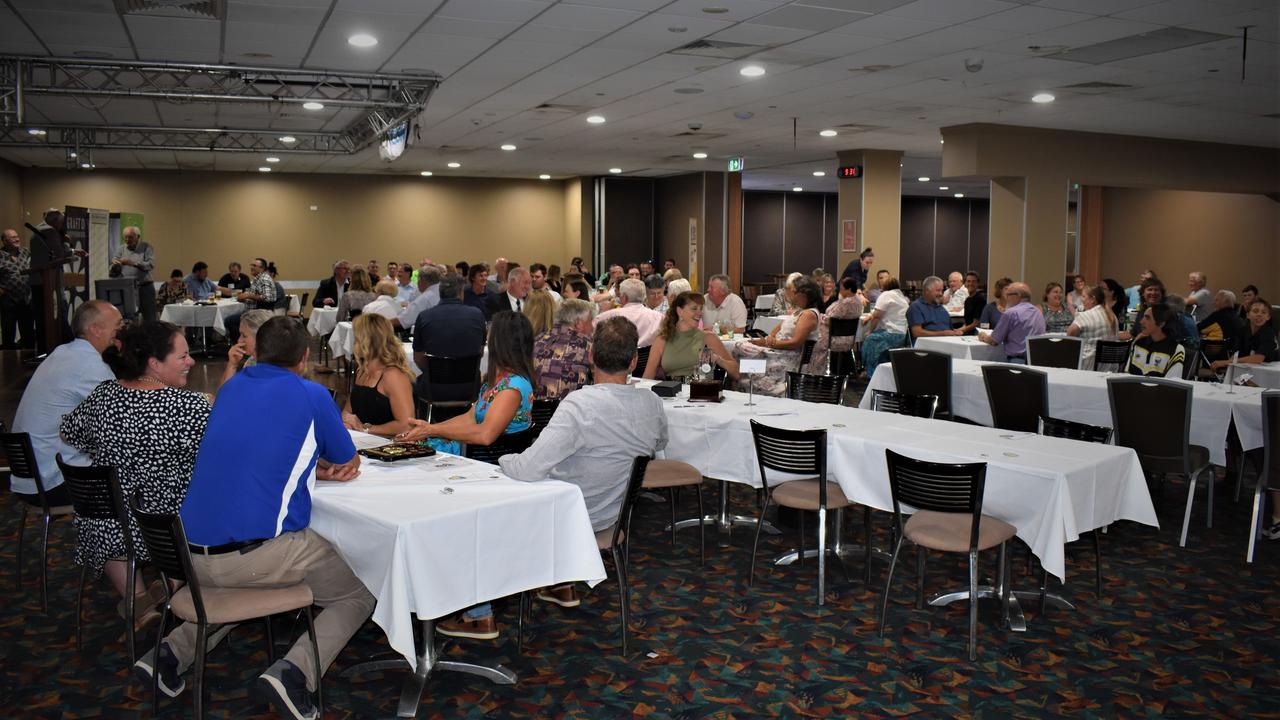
[389, 98]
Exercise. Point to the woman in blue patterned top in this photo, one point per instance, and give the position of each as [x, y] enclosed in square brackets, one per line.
[506, 395]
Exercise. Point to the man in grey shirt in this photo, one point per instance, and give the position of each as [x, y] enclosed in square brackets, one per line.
[1200, 296]
[428, 296]
[134, 260]
[578, 448]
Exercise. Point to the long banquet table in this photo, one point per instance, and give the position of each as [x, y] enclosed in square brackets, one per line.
[1051, 489]
[433, 536]
[195, 316]
[962, 347]
[1081, 395]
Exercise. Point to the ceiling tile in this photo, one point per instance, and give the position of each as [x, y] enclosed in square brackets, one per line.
[1028, 19]
[90, 28]
[650, 32]
[443, 54]
[738, 10]
[517, 11]
[470, 28]
[181, 34]
[949, 11]
[755, 34]
[253, 12]
[1095, 7]
[805, 17]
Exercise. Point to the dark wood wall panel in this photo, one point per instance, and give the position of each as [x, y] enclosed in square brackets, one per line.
[917, 238]
[678, 199]
[628, 220]
[979, 238]
[761, 235]
[951, 237]
[803, 232]
[714, 245]
[831, 234]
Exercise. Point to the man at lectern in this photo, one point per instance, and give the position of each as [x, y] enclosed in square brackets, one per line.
[49, 247]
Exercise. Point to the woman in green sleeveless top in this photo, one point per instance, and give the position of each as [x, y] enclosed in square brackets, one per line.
[680, 341]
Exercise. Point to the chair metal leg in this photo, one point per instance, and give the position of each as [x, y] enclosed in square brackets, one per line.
[671, 497]
[888, 581]
[315, 652]
[1006, 580]
[1211, 482]
[920, 559]
[866, 544]
[1186, 517]
[1097, 562]
[84, 571]
[1240, 473]
[702, 533]
[44, 562]
[1044, 591]
[1255, 524]
[155, 676]
[973, 605]
[755, 544]
[822, 555]
[22, 534]
[271, 639]
[622, 595]
[524, 601]
[198, 697]
[130, 605]
[800, 538]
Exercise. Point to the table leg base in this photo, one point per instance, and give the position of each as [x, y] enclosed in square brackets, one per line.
[1017, 621]
[428, 662]
[848, 552]
[1057, 602]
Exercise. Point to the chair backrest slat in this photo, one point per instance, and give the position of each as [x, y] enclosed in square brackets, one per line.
[922, 406]
[22, 458]
[642, 360]
[96, 495]
[635, 483]
[1271, 438]
[506, 444]
[815, 388]
[796, 452]
[842, 327]
[940, 487]
[923, 372]
[452, 370]
[166, 541]
[1152, 416]
[1054, 351]
[1054, 427]
[1110, 352]
[1018, 396]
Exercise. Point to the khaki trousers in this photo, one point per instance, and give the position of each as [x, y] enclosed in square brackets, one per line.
[287, 560]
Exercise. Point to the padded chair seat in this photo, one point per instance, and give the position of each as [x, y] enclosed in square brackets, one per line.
[949, 532]
[62, 510]
[803, 495]
[670, 473]
[604, 538]
[224, 605]
[1199, 456]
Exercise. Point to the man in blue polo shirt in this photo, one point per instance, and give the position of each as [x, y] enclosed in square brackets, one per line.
[270, 436]
[927, 316]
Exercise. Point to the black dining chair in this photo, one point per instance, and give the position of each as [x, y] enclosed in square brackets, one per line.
[921, 406]
[923, 372]
[1153, 416]
[166, 542]
[841, 362]
[802, 456]
[506, 444]
[96, 495]
[541, 414]
[948, 502]
[815, 388]
[447, 377]
[22, 463]
[1269, 472]
[642, 360]
[1054, 427]
[1018, 396]
[1212, 351]
[807, 354]
[1111, 353]
[1055, 351]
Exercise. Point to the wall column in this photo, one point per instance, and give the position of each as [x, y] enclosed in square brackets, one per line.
[874, 202]
[733, 228]
[1008, 212]
[1028, 230]
[1091, 233]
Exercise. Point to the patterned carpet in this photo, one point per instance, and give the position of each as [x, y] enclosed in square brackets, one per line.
[1180, 632]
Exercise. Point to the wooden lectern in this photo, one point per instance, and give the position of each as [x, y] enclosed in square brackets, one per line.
[48, 255]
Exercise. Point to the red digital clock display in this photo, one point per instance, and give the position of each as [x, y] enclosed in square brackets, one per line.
[850, 171]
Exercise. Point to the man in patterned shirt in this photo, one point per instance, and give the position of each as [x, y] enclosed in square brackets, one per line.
[561, 356]
[15, 292]
[262, 291]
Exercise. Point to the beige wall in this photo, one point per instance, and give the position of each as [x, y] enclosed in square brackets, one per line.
[1234, 239]
[875, 202]
[219, 217]
[11, 198]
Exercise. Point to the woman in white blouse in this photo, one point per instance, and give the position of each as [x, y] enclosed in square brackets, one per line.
[1097, 322]
[887, 326]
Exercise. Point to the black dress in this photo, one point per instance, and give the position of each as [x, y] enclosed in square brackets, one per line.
[371, 406]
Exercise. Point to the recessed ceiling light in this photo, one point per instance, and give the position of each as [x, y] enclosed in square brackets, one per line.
[273, 159]
[426, 173]
[819, 173]
[1042, 98]
[508, 147]
[72, 154]
[944, 187]
[751, 71]
[959, 194]
[942, 142]
[38, 132]
[699, 156]
[923, 179]
[362, 40]
[595, 119]
[288, 139]
[797, 189]
[455, 165]
[615, 171]
[264, 169]
[828, 133]
[313, 105]
[544, 176]
[86, 166]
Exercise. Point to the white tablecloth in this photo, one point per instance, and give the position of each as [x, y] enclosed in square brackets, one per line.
[1050, 489]
[213, 316]
[764, 302]
[1265, 375]
[421, 551]
[1081, 395]
[322, 321]
[965, 347]
[767, 323]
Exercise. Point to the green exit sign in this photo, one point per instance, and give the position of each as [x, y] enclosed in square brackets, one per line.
[735, 164]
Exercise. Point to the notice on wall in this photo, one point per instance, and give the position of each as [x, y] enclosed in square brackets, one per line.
[693, 254]
[849, 236]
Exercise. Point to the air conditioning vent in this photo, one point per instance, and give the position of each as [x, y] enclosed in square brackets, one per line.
[562, 109]
[205, 9]
[858, 127]
[700, 134]
[717, 49]
[1095, 85]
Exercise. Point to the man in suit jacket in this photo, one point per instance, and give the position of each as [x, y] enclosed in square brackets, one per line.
[331, 289]
[450, 329]
[518, 284]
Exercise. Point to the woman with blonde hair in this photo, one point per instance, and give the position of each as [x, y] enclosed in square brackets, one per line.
[381, 400]
[359, 293]
[540, 308]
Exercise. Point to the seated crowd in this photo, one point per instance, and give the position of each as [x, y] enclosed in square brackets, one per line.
[549, 337]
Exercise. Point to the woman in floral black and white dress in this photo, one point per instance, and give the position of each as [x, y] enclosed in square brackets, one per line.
[145, 426]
